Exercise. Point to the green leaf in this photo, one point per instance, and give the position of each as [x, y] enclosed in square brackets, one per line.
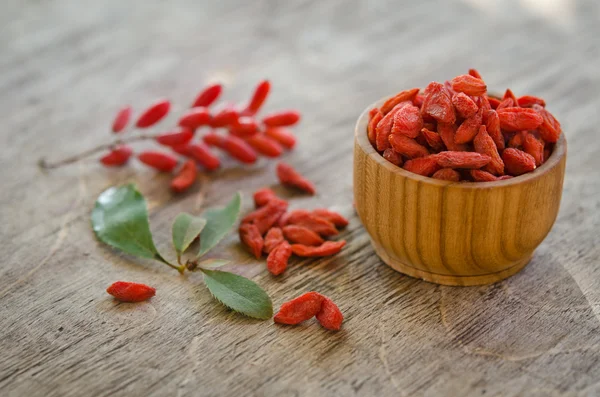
[238, 293]
[213, 263]
[120, 219]
[218, 223]
[185, 229]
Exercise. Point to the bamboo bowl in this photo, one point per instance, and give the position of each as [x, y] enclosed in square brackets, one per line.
[454, 233]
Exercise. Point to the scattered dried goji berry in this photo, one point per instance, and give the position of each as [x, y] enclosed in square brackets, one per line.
[461, 159]
[117, 156]
[121, 119]
[469, 128]
[263, 196]
[534, 147]
[251, 236]
[186, 177]
[407, 95]
[239, 149]
[464, 105]
[267, 216]
[517, 162]
[518, 119]
[214, 139]
[438, 103]
[527, 101]
[258, 98]
[334, 217]
[208, 96]
[228, 115]
[158, 160]
[392, 156]
[194, 118]
[326, 249]
[299, 309]
[407, 146]
[469, 85]
[244, 127]
[153, 114]
[175, 138]
[282, 118]
[281, 135]
[330, 316]
[484, 144]
[265, 145]
[313, 222]
[126, 291]
[447, 174]
[288, 176]
[204, 156]
[425, 166]
[272, 239]
[434, 140]
[301, 235]
[407, 121]
[277, 260]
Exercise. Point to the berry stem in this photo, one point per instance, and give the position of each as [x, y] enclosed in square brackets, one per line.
[42, 163]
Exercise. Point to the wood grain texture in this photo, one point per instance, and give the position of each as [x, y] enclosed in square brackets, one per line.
[67, 66]
[453, 233]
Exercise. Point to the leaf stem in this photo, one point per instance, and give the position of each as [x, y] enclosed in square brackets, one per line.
[42, 163]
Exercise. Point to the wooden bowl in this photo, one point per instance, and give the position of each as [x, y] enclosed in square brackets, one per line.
[454, 233]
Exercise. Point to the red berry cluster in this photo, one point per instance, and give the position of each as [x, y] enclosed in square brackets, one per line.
[245, 136]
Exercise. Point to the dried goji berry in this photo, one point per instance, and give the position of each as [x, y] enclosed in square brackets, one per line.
[534, 147]
[258, 98]
[494, 102]
[505, 103]
[313, 222]
[239, 149]
[281, 135]
[475, 73]
[434, 140]
[281, 119]
[214, 139]
[406, 95]
[461, 159]
[484, 104]
[517, 162]
[265, 145]
[438, 103]
[194, 118]
[482, 176]
[299, 309]
[208, 96]
[117, 156]
[469, 85]
[407, 146]
[175, 138]
[425, 166]
[226, 116]
[384, 128]
[492, 126]
[251, 236]
[464, 105]
[330, 316]
[392, 156]
[509, 94]
[244, 127]
[267, 216]
[272, 239]
[550, 128]
[419, 100]
[277, 260]
[484, 144]
[326, 249]
[517, 119]
[448, 134]
[516, 141]
[334, 217]
[184, 150]
[288, 176]
[263, 196]
[468, 128]
[447, 174]
[126, 291]
[204, 156]
[527, 101]
[153, 114]
[372, 127]
[301, 235]
[121, 119]
[185, 177]
[158, 160]
[407, 121]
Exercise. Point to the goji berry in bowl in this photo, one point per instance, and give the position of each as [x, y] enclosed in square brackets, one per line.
[448, 231]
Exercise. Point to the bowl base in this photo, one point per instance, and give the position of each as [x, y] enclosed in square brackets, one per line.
[452, 280]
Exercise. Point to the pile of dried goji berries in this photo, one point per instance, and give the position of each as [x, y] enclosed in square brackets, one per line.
[273, 230]
[455, 131]
[245, 137]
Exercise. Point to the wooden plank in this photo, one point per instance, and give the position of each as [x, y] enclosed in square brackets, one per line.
[67, 66]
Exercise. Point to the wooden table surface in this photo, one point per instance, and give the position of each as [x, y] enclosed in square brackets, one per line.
[66, 66]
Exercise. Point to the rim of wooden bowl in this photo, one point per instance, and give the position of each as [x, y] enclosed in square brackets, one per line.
[360, 134]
